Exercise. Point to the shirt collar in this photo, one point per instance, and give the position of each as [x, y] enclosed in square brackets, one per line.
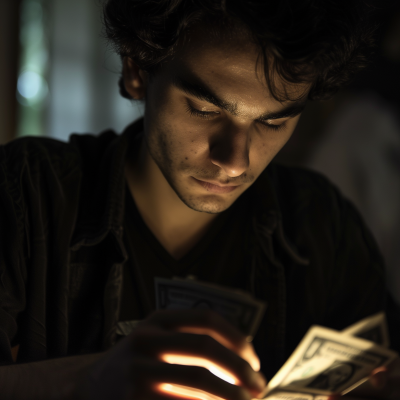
[103, 189]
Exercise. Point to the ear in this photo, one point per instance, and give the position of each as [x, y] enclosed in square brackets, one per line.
[135, 79]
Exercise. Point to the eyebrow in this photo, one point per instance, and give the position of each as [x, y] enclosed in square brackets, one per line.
[204, 93]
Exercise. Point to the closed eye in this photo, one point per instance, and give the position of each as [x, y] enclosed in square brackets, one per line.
[194, 112]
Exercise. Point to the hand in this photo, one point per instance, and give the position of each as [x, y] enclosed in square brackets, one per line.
[383, 384]
[137, 367]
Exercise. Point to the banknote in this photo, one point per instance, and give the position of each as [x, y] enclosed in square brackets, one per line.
[325, 362]
[238, 307]
[373, 328]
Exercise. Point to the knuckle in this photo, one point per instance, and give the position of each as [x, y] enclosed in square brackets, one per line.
[210, 317]
[155, 316]
[136, 370]
[206, 343]
[145, 339]
[137, 340]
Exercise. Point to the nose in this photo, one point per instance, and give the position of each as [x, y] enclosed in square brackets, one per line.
[230, 151]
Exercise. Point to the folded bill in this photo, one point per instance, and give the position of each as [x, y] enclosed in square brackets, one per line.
[327, 361]
[238, 307]
[373, 328]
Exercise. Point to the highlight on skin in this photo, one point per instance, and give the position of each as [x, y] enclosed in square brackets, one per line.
[246, 353]
[186, 392]
[201, 362]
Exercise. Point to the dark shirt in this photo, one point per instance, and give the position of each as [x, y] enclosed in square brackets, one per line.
[62, 254]
[219, 257]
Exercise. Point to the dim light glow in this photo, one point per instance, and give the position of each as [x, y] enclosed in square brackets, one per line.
[187, 392]
[247, 354]
[201, 362]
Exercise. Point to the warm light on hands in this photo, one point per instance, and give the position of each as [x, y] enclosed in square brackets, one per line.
[186, 392]
[201, 362]
[190, 393]
[223, 371]
[247, 353]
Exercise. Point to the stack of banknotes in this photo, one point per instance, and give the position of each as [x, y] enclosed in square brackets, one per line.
[325, 361]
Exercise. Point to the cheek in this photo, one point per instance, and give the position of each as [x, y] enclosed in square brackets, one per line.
[177, 132]
[265, 147]
[175, 148]
[190, 144]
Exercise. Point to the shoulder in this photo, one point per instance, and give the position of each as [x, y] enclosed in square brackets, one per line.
[37, 171]
[40, 181]
[346, 270]
[33, 149]
[308, 197]
[41, 153]
[316, 214]
[304, 184]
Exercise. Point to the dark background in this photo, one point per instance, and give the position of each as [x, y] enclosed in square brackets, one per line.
[52, 52]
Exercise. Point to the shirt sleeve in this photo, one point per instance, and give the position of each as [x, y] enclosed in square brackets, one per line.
[12, 254]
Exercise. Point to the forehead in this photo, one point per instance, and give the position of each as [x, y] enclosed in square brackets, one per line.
[217, 58]
[229, 61]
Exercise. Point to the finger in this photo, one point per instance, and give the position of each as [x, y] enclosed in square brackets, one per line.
[169, 389]
[150, 378]
[201, 350]
[207, 322]
[379, 377]
[244, 350]
[177, 396]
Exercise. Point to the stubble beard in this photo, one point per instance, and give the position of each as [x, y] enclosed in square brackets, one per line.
[158, 151]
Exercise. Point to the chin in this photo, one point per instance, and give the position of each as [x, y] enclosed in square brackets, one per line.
[211, 203]
[210, 206]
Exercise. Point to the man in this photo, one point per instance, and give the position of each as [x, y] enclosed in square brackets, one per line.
[189, 189]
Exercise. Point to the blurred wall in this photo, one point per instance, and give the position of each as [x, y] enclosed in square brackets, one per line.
[9, 50]
[54, 53]
[381, 77]
[84, 72]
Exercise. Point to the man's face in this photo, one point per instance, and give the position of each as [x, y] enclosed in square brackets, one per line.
[229, 145]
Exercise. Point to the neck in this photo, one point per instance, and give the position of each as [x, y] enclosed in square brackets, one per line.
[177, 227]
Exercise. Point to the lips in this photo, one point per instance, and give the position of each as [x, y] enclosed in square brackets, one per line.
[210, 187]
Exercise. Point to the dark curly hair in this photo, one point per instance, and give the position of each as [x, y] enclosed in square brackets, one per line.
[320, 42]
